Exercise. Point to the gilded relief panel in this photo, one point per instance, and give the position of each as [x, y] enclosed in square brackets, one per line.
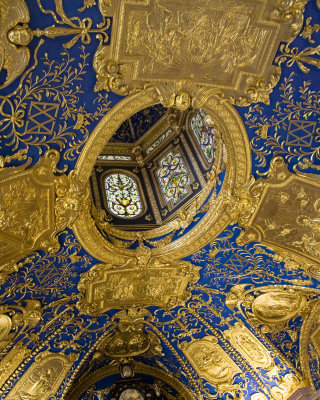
[149, 283]
[223, 44]
[43, 378]
[249, 346]
[286, 215]
[35, 205]
[211, 362]
[11, 361]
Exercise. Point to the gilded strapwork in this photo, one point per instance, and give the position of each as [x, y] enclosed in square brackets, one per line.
[226, 45]
[43, 377]
[35, 206]
[249, 346]
[212, 363]
[141, 281]
[286, 214]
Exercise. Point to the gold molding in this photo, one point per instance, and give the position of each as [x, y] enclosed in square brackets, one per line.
[238, 168]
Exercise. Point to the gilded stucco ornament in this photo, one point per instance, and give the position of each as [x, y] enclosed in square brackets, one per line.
[130, 338]
[167, 41]
[285, 216]
[43, 378]
[271, 307]
[143, 280]
[15, 34]
[14, 38]
[218, 213]
[212, 363]
[249, 346]
[35, 205]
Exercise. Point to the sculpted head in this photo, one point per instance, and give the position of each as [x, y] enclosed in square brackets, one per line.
[20, 35]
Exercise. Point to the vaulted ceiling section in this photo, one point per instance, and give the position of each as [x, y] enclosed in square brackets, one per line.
[159, 199]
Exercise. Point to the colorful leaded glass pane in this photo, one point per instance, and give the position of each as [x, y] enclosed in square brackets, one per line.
[173, 177]
[123, 195]
[204, 134]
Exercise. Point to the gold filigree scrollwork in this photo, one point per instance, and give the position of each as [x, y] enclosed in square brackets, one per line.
[285, 216]
[212, 363]
[43, 377]
[35, 205]
[16, 34]
[144, 280]
[163, 41]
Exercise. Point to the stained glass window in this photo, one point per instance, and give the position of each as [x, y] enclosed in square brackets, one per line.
[173, 177]
[204, 134]
[123, 195]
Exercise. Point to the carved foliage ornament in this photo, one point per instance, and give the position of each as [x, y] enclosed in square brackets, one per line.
[157, 41]
[35, 205]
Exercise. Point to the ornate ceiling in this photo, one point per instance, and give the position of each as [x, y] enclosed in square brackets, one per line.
[220, 298]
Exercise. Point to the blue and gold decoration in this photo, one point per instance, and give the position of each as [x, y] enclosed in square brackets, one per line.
[159, 199]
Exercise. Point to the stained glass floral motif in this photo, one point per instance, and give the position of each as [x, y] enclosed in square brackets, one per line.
[173, 177]
[123, 195]
[204, 134]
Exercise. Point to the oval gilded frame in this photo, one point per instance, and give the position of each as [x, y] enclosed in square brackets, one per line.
[238, 170]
